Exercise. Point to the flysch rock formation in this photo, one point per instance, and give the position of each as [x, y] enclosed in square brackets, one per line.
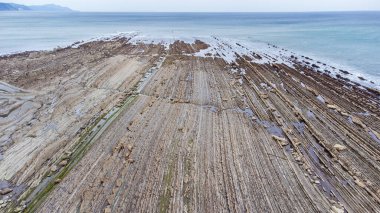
[121, 126]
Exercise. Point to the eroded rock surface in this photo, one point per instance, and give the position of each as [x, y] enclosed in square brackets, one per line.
[113, 126]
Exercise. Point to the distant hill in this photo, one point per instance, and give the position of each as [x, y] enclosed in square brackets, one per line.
[50, 7]
[12, 7]
[19, 7]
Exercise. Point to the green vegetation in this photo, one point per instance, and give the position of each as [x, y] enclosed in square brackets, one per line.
[87, 138]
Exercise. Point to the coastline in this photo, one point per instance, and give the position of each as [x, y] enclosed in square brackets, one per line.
[159, 109]
[279, 54]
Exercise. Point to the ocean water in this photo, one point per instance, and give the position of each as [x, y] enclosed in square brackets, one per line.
[348, 39]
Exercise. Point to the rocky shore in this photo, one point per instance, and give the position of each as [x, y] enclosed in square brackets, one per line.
[122, 125]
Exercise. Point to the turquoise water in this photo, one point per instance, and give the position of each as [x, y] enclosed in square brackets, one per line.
[351, 39]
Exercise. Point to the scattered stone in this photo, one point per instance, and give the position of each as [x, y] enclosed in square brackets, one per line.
[312, 90]
[107, 210]
[358, 122]
[281, 140]
[63, 163]
[57, 181]
[360, 183]
[317, 182]
[130, 147]
[54, 168]
[131, 161]
[335, 209]
[376, 133]
[18, 209]
[6, 191]
[332, 106]
[119, 182]
[339, 147]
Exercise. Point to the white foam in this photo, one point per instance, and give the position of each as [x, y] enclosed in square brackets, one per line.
[228, 49]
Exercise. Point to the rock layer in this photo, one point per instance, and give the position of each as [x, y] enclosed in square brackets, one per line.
[116, 127]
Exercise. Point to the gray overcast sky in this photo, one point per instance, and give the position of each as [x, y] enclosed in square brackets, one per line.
[211, 5]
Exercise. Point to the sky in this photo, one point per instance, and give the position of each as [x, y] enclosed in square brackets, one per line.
[211, 5]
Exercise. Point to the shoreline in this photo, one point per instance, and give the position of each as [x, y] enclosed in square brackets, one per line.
[331, 68]
[97, 125]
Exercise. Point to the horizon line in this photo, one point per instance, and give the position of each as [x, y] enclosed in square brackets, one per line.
[308, 11]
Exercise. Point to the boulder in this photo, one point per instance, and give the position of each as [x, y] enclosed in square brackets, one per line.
[335, 209]
[282, 141]
[63, 163]
[339, 147]
[107, 210]
[360, 183]
[376, 134]
[6, 191]
[130, 147]
[332, 106]
[119, 182]
[358, 122]
[54, 168]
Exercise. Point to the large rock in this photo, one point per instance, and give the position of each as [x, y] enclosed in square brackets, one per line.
[282, 141]
[339, 147]
[6, 191]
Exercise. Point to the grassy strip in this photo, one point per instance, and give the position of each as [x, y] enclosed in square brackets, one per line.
[83, 145]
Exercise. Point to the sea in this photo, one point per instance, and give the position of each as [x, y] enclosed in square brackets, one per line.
[348, 40]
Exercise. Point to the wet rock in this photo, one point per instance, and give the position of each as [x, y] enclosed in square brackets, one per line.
[339, 147]
[376, 133]
[275, 66]
[315, 66]
[6, 191]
